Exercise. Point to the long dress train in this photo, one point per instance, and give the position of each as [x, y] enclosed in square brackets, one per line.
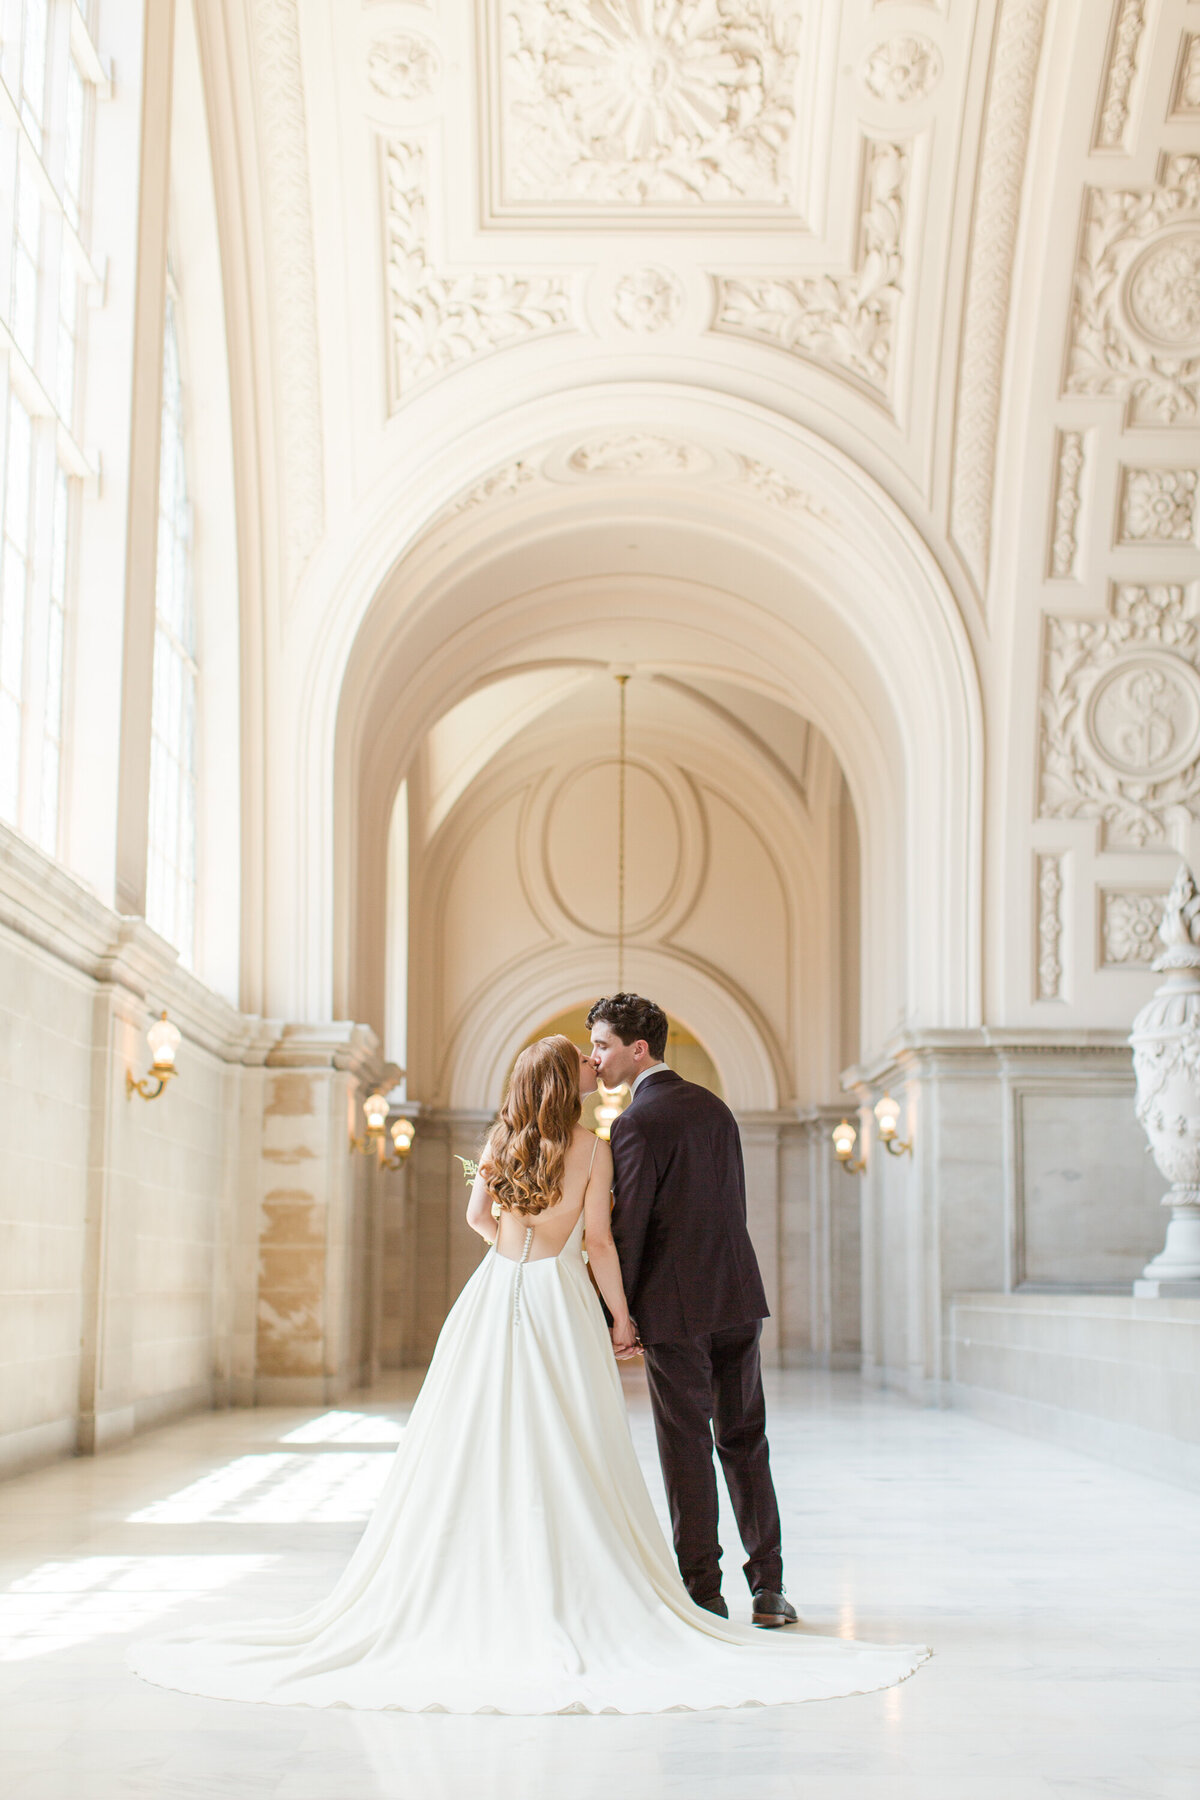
[514, 1562]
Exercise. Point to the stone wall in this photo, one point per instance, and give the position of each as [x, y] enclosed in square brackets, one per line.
[214, 1244]
[1027, 1172]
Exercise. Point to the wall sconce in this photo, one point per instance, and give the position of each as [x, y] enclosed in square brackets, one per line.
[375, 1110]
[844, 1136]
[613, 1102]
[164, 1041]
[888, 1114]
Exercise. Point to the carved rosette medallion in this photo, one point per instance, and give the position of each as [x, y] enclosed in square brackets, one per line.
[647, 301]
[1158, 506]
[901, 70]
[668, 104]
[1120, 718]
[402, 66]
[1129, 922]
[1135, 316]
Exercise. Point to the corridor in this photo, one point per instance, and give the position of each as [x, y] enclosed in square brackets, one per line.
[1056, 1592]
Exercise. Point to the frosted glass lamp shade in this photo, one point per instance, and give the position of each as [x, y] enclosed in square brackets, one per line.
[844, 1136]
[403, 1132]
[888, 1114]
[164, 1041]
[375, 1107]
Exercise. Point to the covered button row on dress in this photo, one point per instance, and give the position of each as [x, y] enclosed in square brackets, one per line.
[520, 1275]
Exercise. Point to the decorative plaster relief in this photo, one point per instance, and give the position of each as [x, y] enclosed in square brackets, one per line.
[1064, 546]
[848, 321]
[1113, 124]
[634, 453]
[1120, 717]
[901, 69]
[1158, 506]
[501, 484]
[439, 319]
[287, 206]
[1016, 51]
[1135, 315]
[776, 490]
[402, 66]
[1186, 98]
[1129, 922]
[1049, 927]
[647, 300]
[630, 104]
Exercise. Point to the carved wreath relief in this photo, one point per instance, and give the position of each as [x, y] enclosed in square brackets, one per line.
[1135, 321]
[1120, 717]
[846, 320]
[437, 319]
[670, 103]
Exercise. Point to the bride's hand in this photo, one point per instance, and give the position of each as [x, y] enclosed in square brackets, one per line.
[624, 1339]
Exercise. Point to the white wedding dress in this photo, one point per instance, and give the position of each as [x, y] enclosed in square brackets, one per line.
[514, 1562]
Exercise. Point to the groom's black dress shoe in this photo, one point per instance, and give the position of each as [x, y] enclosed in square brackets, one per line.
[715, 1604]
[772, 1609]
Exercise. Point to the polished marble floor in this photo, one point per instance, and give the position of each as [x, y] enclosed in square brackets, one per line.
[1060, 1596]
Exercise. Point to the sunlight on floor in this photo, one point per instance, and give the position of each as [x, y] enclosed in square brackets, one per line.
[66, 1603]
[277, 1488]
[346, 1428]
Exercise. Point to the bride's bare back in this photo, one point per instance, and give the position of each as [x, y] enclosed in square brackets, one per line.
[551, 1229]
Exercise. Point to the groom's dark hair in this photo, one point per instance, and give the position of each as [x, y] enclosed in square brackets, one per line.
[632, 1018]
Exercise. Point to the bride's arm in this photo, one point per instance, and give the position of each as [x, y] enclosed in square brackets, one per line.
[602, 1252]
[479, 1211]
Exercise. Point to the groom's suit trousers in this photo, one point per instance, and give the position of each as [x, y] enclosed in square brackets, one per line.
[704, 1389]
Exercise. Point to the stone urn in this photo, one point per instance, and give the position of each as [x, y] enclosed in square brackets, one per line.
[1166, 1063]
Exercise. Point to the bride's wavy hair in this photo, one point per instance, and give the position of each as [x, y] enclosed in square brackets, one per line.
[523, 1158]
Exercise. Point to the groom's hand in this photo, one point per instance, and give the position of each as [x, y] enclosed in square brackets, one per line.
[625, 1341]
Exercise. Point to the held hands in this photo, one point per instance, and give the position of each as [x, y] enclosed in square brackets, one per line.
[625, 1340]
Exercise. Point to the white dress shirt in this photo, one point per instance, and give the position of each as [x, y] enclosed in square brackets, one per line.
[654, 1069]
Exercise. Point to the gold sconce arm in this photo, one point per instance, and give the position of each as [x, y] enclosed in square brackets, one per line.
[374, 1140]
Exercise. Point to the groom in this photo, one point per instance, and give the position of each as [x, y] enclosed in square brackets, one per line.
[692, 1282]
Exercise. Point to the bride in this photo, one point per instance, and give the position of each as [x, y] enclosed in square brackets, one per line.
[514, 1562]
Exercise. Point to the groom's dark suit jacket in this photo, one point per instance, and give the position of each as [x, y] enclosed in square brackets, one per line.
[679, 1214]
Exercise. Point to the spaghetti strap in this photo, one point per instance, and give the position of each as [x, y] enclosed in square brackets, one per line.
[595, 1146]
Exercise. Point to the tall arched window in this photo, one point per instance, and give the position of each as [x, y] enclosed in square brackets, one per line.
[171, 858]
[48, 71]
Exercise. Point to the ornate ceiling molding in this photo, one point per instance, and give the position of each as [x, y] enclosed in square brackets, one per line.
[625, 108]
[847, 322]
[1049, 926]
[1120, 717]
[1112, 127]
[1068, 497]
[769, 485]
[636, 453]
[1135, 315]
[1185, 101]
[287, 207]
[436, 318]
[1017, 50]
